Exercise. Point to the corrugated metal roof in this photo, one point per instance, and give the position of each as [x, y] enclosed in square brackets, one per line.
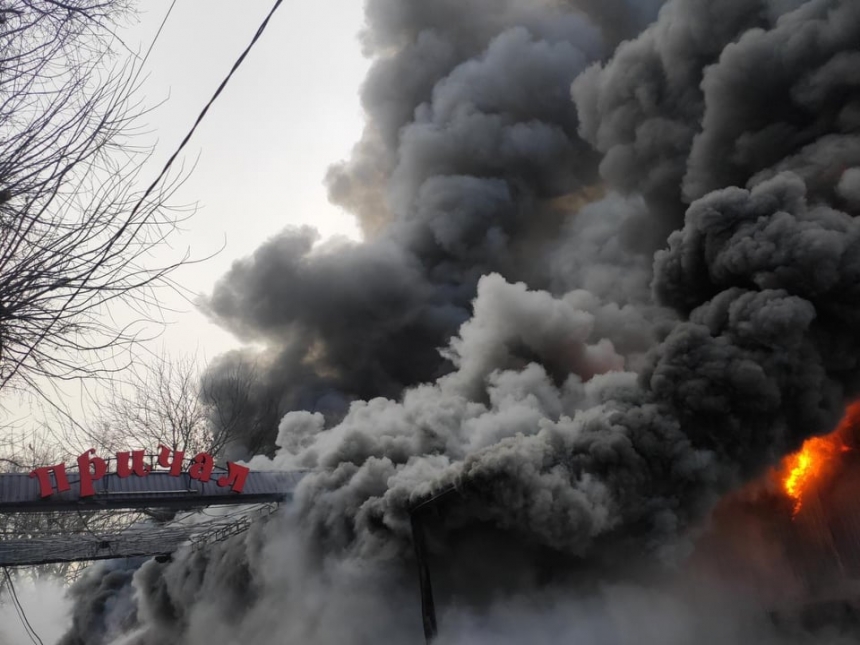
[20, 493]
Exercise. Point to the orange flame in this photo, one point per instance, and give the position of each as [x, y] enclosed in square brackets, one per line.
[810, 466]
[817, 459]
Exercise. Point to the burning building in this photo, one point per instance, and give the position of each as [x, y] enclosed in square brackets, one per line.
[791, 538]
[623, 369]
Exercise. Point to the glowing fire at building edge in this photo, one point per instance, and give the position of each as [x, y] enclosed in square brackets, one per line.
[816, 460]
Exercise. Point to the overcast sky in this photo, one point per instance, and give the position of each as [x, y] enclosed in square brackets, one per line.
[290, 111]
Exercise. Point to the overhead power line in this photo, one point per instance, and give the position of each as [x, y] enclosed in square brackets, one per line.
[205, 109]
[19, 608]
[157, 34]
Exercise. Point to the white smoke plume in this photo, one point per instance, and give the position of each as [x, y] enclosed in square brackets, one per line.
[508, 338]
[45, 607]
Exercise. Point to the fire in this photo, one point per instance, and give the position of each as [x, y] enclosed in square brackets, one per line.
[810, 466]
[817, 459]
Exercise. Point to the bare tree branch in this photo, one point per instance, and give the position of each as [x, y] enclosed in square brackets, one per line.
[158, 404]
[74, 237]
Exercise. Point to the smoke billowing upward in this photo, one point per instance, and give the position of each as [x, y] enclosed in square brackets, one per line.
[602, 285]
[471, 130]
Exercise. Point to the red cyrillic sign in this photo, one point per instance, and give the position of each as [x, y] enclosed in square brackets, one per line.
[92, 468]
[44, 474]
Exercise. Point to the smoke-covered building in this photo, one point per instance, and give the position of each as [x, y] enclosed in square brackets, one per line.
[610, 276]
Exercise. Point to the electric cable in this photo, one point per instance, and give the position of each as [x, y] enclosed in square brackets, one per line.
[157, 34]
[205, 109]
[19, 608]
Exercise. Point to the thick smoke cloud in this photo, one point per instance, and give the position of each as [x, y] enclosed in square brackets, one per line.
[508, 340]
[759, 364]
[470, 133]
[782, 99]
[643, 108]
[102, 603]
[728, 93]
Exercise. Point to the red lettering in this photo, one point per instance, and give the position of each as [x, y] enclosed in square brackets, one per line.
[236, 476]
[175, 465]
[46, 488]
[99, 468]
[128, 463]
[201, 467]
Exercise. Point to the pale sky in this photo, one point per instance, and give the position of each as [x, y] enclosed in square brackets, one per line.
[290, 111]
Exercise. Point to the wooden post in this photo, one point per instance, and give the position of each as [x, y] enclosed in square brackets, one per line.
[428, 608]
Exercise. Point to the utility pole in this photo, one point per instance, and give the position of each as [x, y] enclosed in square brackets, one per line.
[428, 608]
